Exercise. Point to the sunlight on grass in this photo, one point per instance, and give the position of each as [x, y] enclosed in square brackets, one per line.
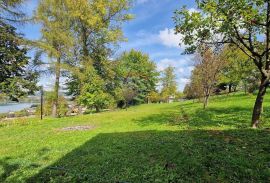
[147, 143]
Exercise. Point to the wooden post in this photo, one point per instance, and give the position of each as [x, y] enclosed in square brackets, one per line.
[41, 102]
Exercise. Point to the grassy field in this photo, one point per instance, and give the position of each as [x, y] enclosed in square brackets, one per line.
[176, 142]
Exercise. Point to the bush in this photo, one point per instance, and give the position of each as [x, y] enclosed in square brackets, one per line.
[48, 105]
[21, 113]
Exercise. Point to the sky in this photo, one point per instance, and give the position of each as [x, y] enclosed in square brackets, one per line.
[151, 31]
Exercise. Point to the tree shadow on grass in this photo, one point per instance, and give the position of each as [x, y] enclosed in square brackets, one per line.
[165, 156]
[232, 117]
[7, 168]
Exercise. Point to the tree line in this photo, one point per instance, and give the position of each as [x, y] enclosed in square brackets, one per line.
[230, 41]
[78, 41]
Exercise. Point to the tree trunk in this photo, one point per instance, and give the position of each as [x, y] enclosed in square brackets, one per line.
[235, 89]
[97, 109]
[56, 89]
[205, 102]
[245, 85]
[230, 88]
[257, 110]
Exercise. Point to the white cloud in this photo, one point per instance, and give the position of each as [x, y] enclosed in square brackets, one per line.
[183, 68]
[193, 10]
[165, 37]
[168, 38]
[182, 83]
[181, 65]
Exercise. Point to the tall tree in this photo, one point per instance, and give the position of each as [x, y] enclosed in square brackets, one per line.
[207, 67]
[16, 79]
[138, 73]
[96, 30]
[244, 23]
[56, 38]
[169, 84]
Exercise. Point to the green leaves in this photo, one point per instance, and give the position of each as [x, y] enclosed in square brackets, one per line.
[169, 85]
[138, 73]
[93, 92]
[16, 79]
[225, 21]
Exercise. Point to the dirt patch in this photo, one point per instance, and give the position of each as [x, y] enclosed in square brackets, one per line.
[78, 128]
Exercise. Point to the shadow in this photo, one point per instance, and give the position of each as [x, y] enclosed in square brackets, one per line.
[169, 116]
[165, 156]
[7, 168]
[194, 116]
[233, 117]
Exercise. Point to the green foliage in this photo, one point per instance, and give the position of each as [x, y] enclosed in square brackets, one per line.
[179, 95]
[94, 93]
[154, 97]
[138, 73]
[16, 79]
[96, 30]
[169, 85]
[223, 22]
[237, 67]
[49, 98]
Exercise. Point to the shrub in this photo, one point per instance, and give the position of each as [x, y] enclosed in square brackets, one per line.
[48, 105]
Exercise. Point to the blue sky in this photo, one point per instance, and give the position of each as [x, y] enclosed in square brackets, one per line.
[151, 32]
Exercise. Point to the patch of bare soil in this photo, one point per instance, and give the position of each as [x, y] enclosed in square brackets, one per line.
[78, 128]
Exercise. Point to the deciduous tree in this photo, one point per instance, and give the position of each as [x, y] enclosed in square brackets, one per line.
[138, 73]
[169, 84]
[244, 23]
[207, 67]
[56, 38]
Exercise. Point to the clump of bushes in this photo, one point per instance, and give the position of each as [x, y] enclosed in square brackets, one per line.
[48, 105]
[21, 113]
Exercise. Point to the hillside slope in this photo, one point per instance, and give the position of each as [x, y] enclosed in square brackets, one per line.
[177, 142]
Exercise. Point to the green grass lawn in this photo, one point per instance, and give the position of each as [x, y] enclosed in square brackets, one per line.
[176, 142]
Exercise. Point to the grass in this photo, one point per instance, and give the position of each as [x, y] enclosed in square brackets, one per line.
[176, 142]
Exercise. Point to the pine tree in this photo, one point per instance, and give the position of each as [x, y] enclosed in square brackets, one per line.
[16, 79]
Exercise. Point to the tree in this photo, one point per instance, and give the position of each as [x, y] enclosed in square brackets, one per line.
[237, 67]
[138, 73]
[154, 97]
[193, 89]
[93, 92]
[16, 80]
[169, 85]
[10, 11]
[56, 38]
[207, 68]
[96, 27]
[244, 23]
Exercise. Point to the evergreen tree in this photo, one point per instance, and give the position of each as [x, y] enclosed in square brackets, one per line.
[16, 79]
